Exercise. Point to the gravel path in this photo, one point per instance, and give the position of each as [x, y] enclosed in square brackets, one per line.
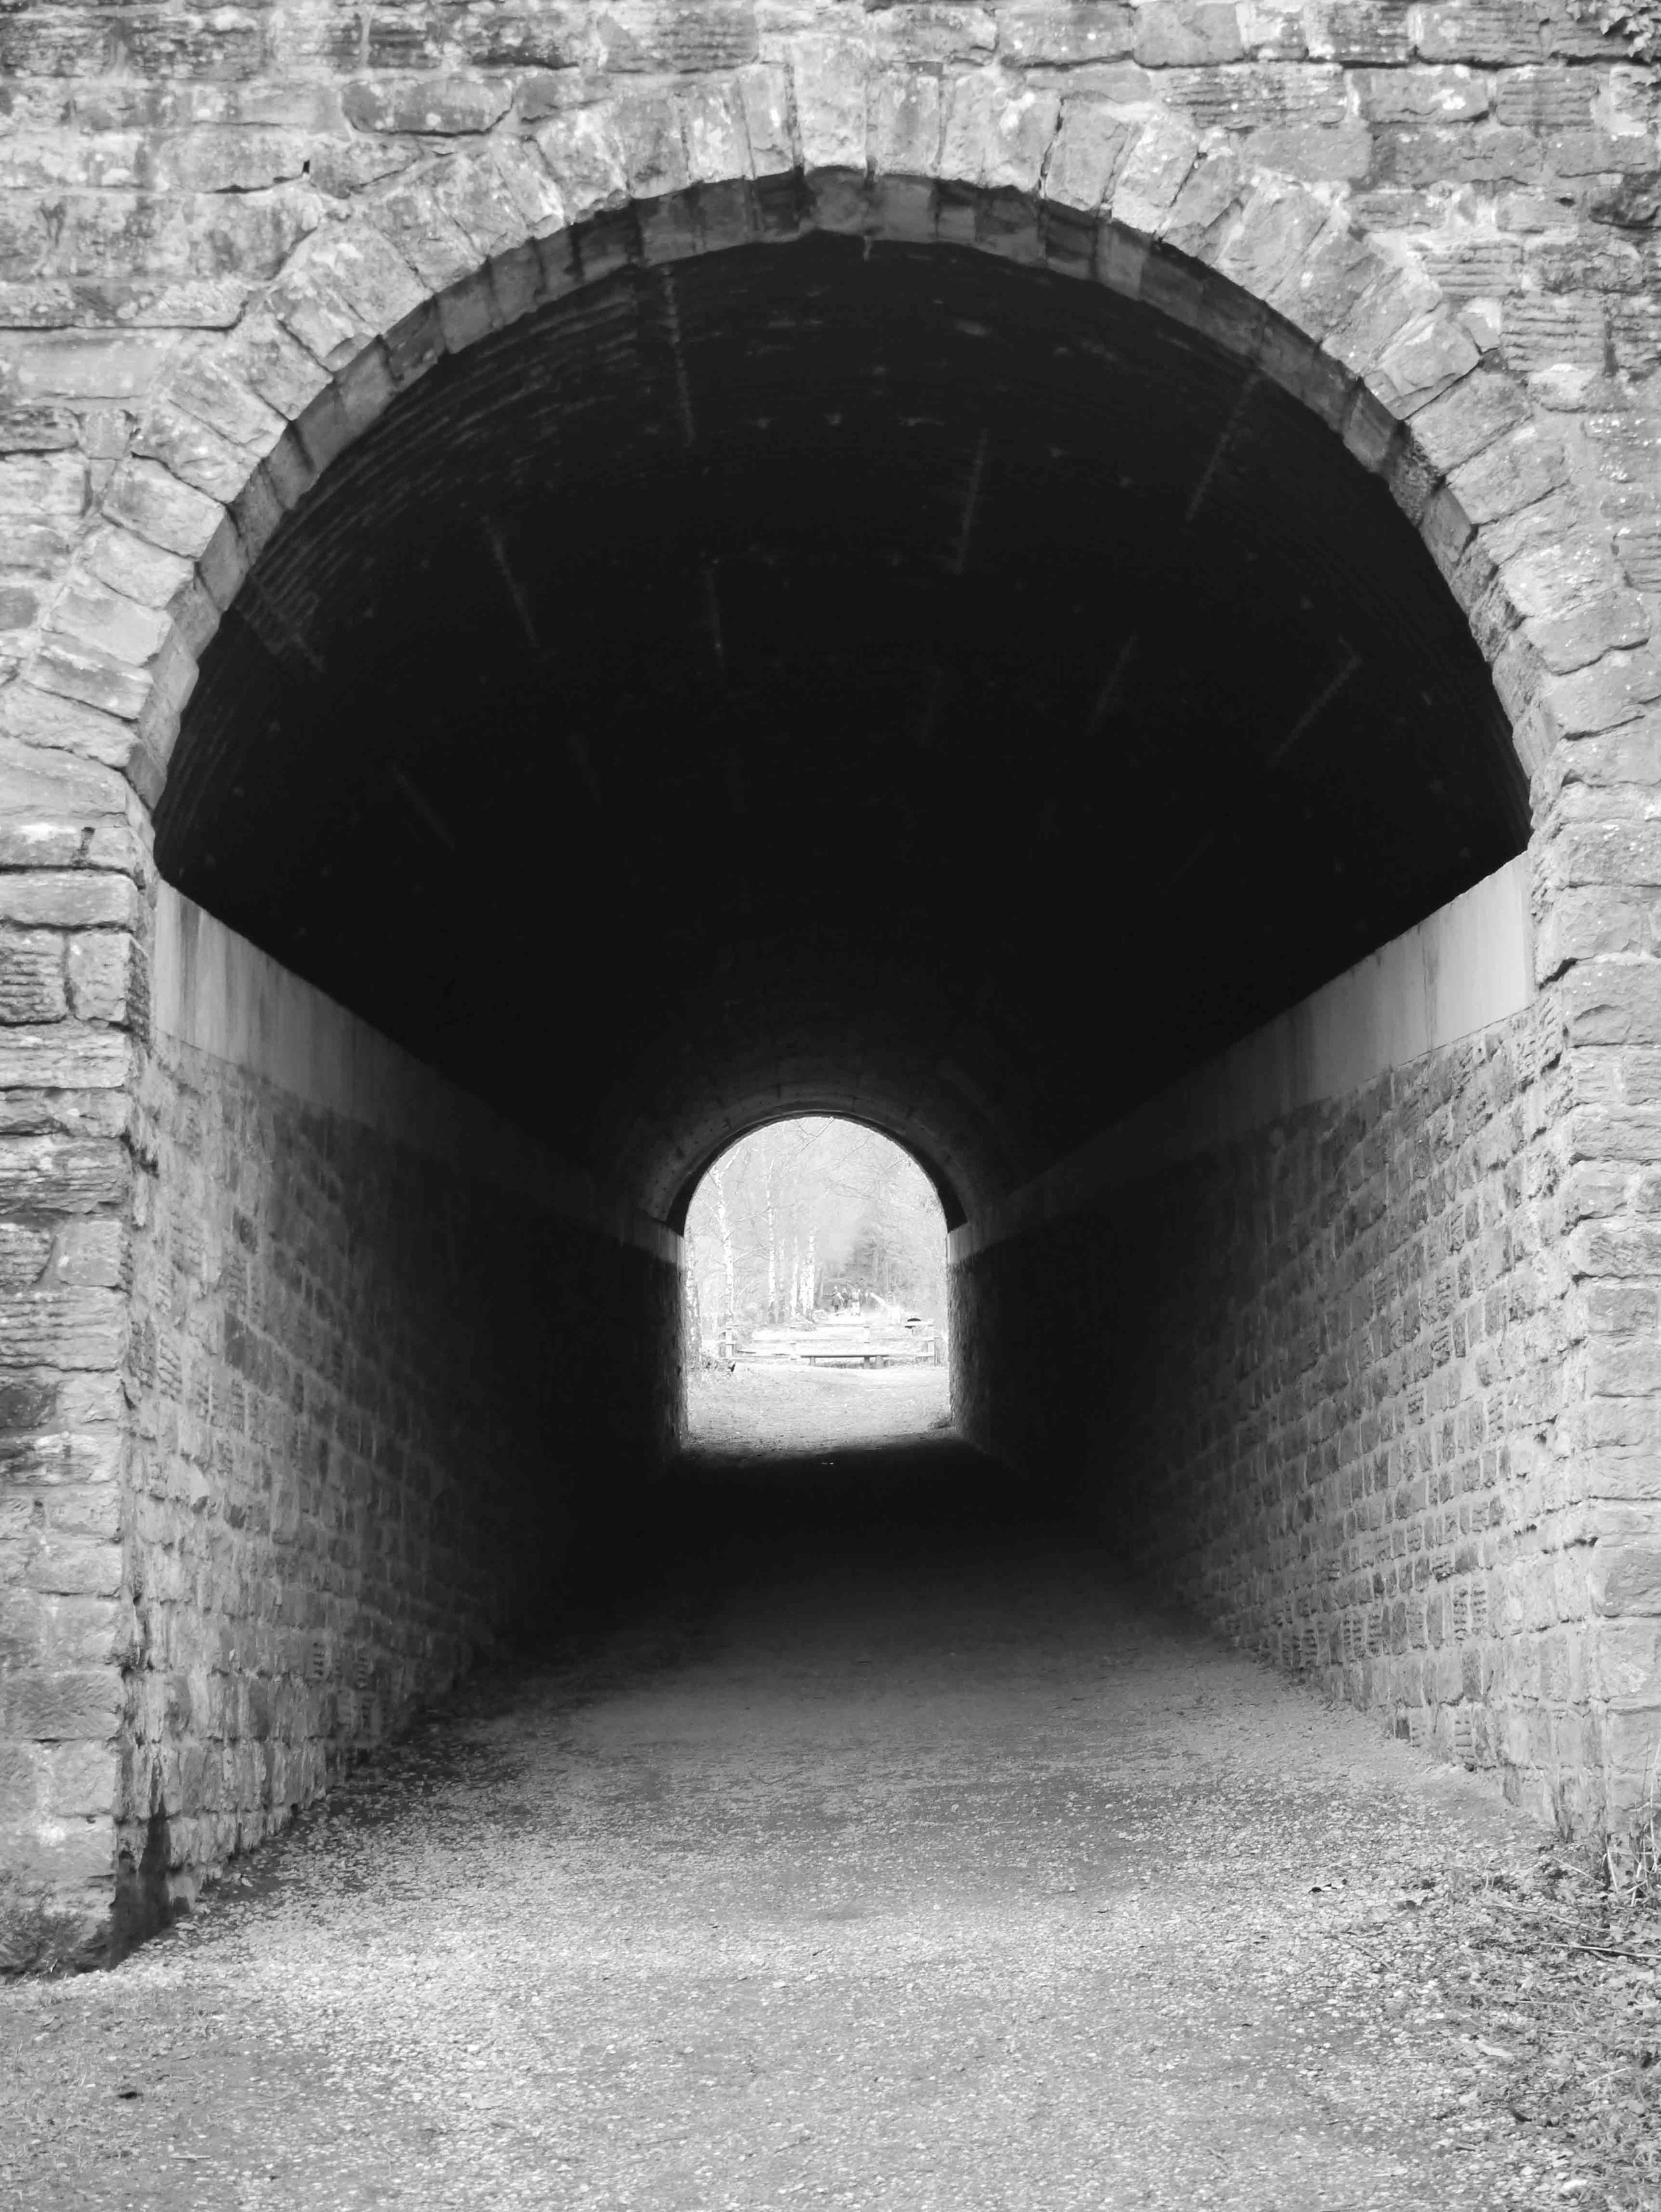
[788, 1409]
[888, 1854]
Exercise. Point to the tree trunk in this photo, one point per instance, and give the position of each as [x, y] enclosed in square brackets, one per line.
[724, 1229]
[772, 1239]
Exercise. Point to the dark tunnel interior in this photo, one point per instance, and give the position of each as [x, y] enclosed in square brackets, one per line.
[837, 676]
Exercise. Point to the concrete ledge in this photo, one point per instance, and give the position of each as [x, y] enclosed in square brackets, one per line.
[1470, 965]
[213, 991]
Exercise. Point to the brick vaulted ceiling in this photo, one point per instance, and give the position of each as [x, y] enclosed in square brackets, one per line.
[837, 675]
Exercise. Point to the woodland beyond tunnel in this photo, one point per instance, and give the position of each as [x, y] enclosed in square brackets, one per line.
[844, 676]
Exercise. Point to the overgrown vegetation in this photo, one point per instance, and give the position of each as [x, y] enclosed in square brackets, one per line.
[1638, 24]
[1555, 1978]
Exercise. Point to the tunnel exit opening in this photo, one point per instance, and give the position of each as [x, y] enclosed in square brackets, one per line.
[815, 1311]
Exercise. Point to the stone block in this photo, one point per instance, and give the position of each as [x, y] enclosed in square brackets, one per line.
[106, 622]
[1631, 1739]
[467, 312]
[61, 1176]
[275, 366]
[133, 568]
[428, 106]
[1618, 1369]
[24, 1254]
[907, 119]
[1314, 153]
[1467, 419]
[646, 122]
[1152, 173]
[78, 1780]
[1421, 362]
[1611, 620]
[88, 1253]
[1602, 1248]
[474, 196]
[765, 93]
[1393, 304]
[33, 485]
[32, 984]
[1203, 211]
[1486, 31]
[1186, 32]
[81, 898]
[190, 450]
[662, 38]
[1626, 1577]
[995, 137]
[1513, 473]
[83, 1706]
[97, 679]
[529, 184]
[1423, 96]
[713, 134]
[352, 285]
[585, 160]
[154, 505]
[428, 242]
[1617, 688]
[1063, 34]
[1588, 924]
[1539, 586]
[1267, 247]
[37, 429]
[62, 1329]
[829, 75]
[91, 365]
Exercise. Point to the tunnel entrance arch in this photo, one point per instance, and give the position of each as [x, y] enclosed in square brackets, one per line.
[849, 487]
[1262, 269]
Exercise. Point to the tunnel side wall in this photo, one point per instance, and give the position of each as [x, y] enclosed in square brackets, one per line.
[1301, 1381]
[1310, 1378]
[394, 1380]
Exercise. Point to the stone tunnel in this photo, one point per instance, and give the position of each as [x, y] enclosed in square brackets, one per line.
[1071, 580]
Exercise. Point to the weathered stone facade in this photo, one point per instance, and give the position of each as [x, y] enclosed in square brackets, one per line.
[229, 242]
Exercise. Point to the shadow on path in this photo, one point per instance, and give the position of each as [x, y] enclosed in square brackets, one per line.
[884, 1850]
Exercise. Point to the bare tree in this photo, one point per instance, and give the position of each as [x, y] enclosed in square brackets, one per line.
[815, 1208]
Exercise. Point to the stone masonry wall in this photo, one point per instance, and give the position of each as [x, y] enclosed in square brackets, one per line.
[230, 239]
[73, 877]
[1314, 1384]
[376, 1403]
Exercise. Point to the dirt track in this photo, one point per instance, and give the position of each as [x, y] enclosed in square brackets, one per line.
[891, 1855]
[789, 1409]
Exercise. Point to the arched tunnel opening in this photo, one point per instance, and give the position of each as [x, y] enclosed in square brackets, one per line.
[844, 679]
[848, 676]
[815, 1295]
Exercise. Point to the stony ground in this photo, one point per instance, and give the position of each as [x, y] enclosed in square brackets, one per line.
[888, 1853]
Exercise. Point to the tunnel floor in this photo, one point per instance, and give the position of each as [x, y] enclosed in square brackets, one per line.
[889, 1852]
[787, 1410]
